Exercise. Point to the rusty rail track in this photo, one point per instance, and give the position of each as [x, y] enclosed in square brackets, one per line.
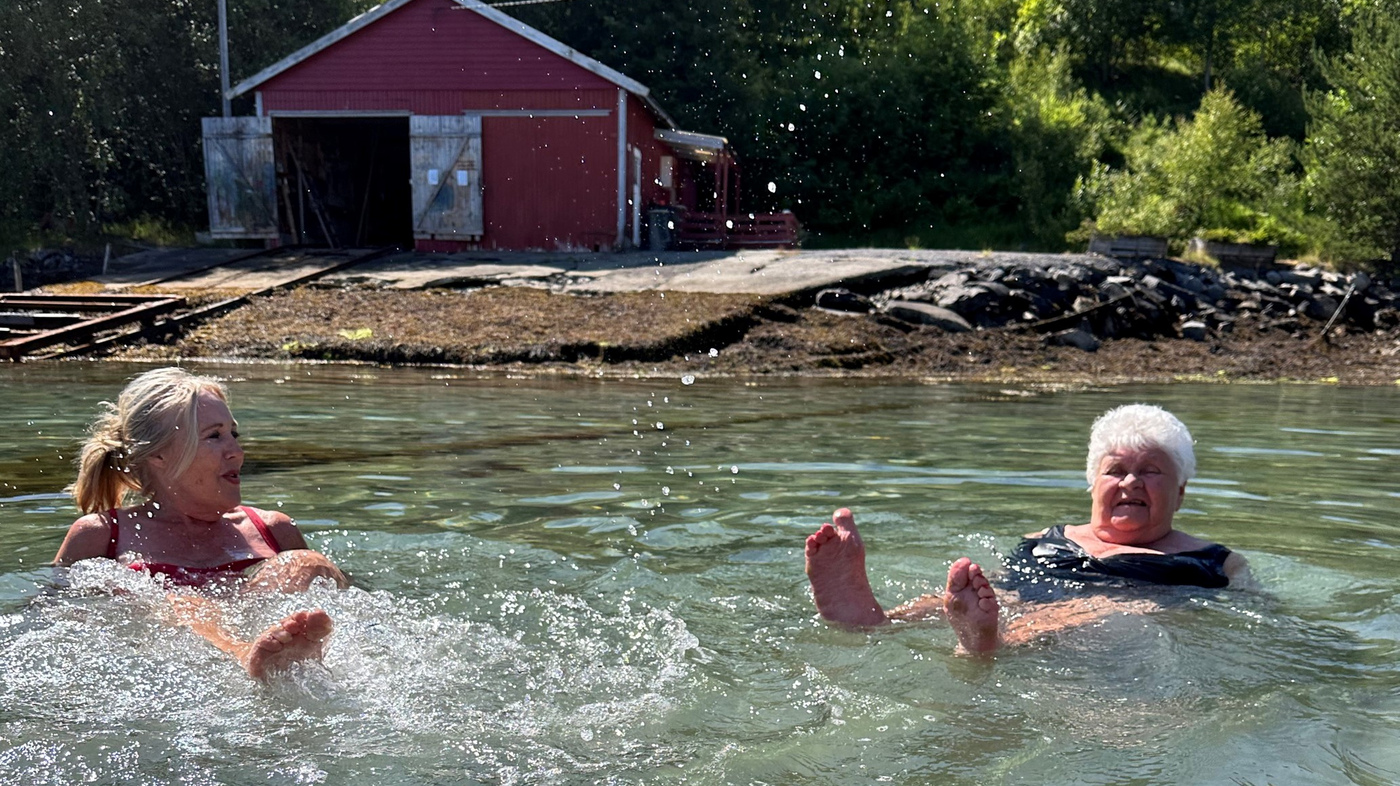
[40, 321]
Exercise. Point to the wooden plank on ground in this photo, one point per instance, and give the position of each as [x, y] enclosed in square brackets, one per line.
[187, 320]
[15, 348]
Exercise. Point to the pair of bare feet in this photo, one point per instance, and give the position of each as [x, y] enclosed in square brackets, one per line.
[841, 588]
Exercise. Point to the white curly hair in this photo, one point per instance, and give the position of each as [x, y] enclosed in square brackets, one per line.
[1140, 426]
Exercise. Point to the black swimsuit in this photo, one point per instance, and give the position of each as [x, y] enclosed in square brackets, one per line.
[1056, 558]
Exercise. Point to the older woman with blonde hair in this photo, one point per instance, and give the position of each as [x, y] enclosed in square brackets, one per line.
[1140, 459]
[171, 441]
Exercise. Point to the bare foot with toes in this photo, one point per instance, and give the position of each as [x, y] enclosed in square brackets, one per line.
[971, 606]
[296, 638]
[836, 568]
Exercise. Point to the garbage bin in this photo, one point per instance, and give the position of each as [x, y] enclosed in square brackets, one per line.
[661, 229]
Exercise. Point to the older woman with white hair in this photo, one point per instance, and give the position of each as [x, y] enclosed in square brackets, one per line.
[1140, 459]
[171, 441]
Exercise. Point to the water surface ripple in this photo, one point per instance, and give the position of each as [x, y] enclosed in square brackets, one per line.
[587, 581]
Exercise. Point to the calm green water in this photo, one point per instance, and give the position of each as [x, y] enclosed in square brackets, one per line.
[571, 581]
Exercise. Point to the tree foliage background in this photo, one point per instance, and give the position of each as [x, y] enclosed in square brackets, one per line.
[973, 123]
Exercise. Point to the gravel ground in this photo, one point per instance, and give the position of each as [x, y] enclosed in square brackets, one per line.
[535, 331]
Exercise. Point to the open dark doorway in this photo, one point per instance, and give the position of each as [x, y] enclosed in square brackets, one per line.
[344, 181]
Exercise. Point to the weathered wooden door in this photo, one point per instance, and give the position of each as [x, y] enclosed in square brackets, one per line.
[240, 177]
[446, 160]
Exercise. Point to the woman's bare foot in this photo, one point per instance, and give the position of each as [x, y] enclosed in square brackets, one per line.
[296, 638]
[971, 606]
[836, 568]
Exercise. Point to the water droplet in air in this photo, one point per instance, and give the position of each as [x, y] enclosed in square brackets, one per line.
[772, 187]
[665, 491]
[660, 426]
[617, 487]
[714, 353]
[734, 470]
[688, 379]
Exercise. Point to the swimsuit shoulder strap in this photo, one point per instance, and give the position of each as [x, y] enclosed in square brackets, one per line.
[112, 542]
[262, 527]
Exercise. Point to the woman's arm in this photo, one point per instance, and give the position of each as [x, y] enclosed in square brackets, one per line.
[88, 537]
[1237, 570]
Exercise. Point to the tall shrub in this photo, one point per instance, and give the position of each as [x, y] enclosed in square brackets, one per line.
[1216, 175]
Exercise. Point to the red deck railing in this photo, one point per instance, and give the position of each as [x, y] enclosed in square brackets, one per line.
[747, 230]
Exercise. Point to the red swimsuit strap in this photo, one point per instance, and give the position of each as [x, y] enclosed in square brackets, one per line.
[262, 527]
[247, 511]
[112, 543]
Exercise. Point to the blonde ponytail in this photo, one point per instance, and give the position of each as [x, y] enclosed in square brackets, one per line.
[152, 410]
[103, 477]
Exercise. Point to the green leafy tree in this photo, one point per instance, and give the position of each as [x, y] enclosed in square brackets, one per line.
[1216, 175]
[1057, 130]
[100, 104]
[1353, 144]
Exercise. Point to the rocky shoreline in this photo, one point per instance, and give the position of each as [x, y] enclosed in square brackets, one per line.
[984, 317]
[1082, 304]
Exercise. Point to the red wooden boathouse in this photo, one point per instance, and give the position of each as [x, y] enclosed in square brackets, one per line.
[453, 126]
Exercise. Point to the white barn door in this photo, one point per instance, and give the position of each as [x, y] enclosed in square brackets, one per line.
[240, 177]
[446, 159]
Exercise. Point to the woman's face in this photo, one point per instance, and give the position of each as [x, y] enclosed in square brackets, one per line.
[1135, 496]
[211, 483]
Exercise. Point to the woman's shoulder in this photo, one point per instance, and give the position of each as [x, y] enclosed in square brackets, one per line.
[89, 536]
[281, 526]
[1182, 541]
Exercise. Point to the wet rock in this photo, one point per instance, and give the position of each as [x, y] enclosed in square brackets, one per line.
[975, 303]
[843, 301]
[1074, 337]
[1320, 307]
[996, 288]
[1065, 280]
[954, 279]
[1193, 329]
[1039, 307]
[927, 314]
[1361, 282]
[1191, 284]
[1301, 276]
[1115, 287]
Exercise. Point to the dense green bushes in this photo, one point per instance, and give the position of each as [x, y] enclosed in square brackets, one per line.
[934, 122]
[1216, 176]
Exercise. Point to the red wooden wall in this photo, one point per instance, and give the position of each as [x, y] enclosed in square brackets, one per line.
[548, 182]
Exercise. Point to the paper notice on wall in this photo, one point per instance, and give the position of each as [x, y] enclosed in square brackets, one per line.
[462, 177]
[433, 177]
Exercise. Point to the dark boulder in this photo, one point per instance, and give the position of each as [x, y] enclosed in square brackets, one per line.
[843, 301]
[927, 314]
